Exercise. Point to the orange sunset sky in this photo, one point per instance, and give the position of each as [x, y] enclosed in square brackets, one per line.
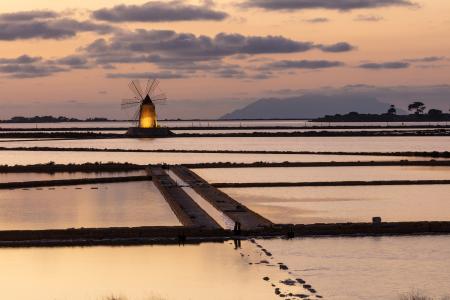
[74, 58]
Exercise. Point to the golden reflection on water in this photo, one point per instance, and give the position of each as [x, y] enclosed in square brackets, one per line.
[311, 174]
[103, 205]
[353, 144]
[305, 205]
[368, 268]
[208, 271]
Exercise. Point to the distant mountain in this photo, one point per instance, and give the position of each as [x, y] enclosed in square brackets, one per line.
[308, 107]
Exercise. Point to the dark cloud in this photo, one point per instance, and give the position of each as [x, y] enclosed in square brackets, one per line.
[146, 75]
[23, 59]
[338, 47]
[160, 46]
[230, 73]
[404, 63]
[368, 18]
[74, 61]
[55, 28]
[303, 64]
[385, 65]
[158, 11]
[317, 20]
[29, 70]
[196, 55]
[26, 66]
[28, 15]
[427, 59]
[289, 5]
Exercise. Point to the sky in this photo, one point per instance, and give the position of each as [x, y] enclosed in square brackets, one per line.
[75, 58]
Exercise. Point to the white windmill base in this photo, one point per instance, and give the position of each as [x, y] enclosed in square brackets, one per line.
[149, 132]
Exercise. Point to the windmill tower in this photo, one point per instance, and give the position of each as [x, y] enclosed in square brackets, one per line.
[145, 100]
[145, 116]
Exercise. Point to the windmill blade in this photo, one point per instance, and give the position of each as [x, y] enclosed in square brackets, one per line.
[136, 116]
[128, 103]
[135, 87]
[159, 97]
[131, 101]
[148, 86]
[153, 87]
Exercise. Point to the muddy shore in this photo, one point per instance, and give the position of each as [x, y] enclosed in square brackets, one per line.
[123, 167]
[122, 236]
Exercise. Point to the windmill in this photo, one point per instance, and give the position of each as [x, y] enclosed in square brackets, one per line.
[145, 100]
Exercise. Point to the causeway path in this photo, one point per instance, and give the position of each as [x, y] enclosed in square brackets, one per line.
[237, 212]
[185, 208]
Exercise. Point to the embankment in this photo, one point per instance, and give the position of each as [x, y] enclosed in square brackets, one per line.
[172, 235]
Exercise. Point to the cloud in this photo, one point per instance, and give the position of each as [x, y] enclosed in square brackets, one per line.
[161, 46]
[368, 18]
[303, 64]
[338, 47]
[23, 59]
[74, 61]
[146, 75]
[230, 73]
[317, 20]
[45, 25]
[29, 70]
[158, 11]
[385, 65]
[26, 66]
[404, 63]
[344, 5]
[195, 54]
[28, 15]
[427, 59]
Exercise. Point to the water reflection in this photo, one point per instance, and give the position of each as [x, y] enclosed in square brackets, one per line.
[368, 268]
[353, 144]
[339, 268]
[312, 174]
[208, 271]
[303, 205]
[104, 205]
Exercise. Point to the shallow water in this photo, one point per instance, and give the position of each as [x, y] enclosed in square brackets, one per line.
[208, 271]
[319, 174]
[305, 205]
[338, 268]
[38, 157]
[353, 144]
[368, 268]
[102, 205]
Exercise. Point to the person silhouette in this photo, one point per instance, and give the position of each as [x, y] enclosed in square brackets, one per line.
[237, 228]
